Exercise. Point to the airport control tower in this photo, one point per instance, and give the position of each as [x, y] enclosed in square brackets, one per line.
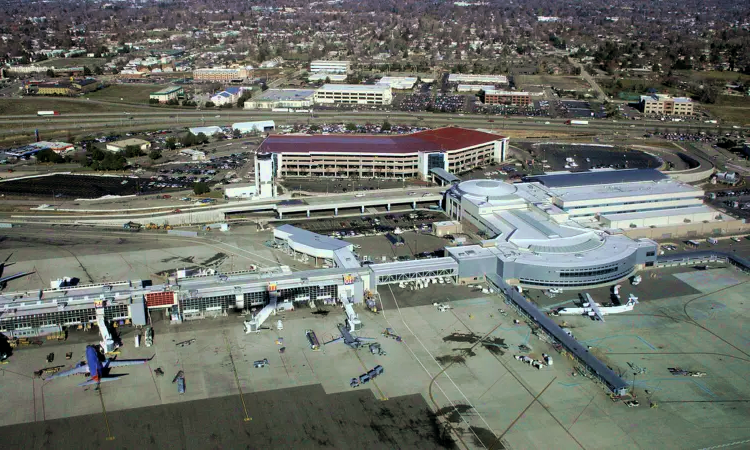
[265, 175]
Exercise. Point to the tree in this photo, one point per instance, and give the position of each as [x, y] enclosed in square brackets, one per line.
[201, 188]
[86, 71]
[171, 143]
[154, 154]
[153, 101]
[209, 104]
[47, 155]
[236, 133]
[386, 126]
[201, 138]
[220, 137]
[246, 94]
[351, 126]
[50, 73]
[189, 140]
[98, 70]
[133, 151]
[173, 102]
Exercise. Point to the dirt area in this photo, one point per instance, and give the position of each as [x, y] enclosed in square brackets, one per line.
[76, 186]
[18, 106]
[129, 93]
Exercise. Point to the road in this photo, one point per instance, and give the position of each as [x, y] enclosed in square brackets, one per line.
[590, 80]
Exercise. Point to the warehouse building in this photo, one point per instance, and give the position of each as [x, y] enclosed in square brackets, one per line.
[167, 94]
[399, 83]
[327, 77]
[221, 74]
[496, 97]
[119, 146]
[354, 94]
[477, 79]
[384, 156]
[208, 131]
[282, 98]
[262, 126]
[330, 66]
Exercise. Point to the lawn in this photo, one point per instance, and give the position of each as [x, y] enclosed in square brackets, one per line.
[129, 93]
[715, 76]
[30, 105]
[560, 82]
[74, 62]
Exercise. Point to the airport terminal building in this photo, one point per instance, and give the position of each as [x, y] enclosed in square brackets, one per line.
[454, 149]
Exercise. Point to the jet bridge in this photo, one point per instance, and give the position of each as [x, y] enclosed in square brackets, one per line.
[397, 272]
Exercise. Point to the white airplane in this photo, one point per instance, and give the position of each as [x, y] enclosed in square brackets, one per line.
[593, 309]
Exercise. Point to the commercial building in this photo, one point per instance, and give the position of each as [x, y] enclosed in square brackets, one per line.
[384, 156]
[399, 83]
[495, 97]
[167, 94]
[330, 66]
[119, 146]
[240, 190]
[327, 77]
[208, 131]
[55, 88]
[221, 74]
[282, 98]
[446, 227]
[666, 105]
[262, 126]
[355, 94]
[195, 155]
[36, 147]
[477, 79]
[228, 96]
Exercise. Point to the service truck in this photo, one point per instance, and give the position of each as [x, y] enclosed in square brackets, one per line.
[577, 122]
[47, 113]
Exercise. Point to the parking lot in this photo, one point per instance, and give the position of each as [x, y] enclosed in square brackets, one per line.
[439, 102]
[553, 157]
[341, 185]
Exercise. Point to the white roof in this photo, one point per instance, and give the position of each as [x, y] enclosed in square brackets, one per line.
[497, 92]
[661, 213]
[604, 191]
[259, 125]
[376, 88]
[205, 130]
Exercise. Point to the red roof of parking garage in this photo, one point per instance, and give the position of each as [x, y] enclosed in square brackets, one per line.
[441, 139]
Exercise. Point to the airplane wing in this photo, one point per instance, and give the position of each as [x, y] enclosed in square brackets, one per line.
[14, 276]
[335, 340]
[90, 381]
[126, 362]
[597, 312]
[83, 368]
[365, 339]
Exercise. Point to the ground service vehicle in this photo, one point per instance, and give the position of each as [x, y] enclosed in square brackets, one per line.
[577, 122]
[47, 113]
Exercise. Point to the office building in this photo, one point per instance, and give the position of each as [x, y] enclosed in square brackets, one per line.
[354, 94]
[384, 156]
[221, 74]
[666, 105]
[495, 97]
[330, 66]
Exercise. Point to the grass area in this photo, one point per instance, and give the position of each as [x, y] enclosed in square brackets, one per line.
[714, 76]
[129, 93]
[74, 62]
[560, 82]
[734, 115]
[30, 105]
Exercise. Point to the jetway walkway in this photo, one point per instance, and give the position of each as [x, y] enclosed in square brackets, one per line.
[397, 272]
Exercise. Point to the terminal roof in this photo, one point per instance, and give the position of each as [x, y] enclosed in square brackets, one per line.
[598, 177]
[311, 239]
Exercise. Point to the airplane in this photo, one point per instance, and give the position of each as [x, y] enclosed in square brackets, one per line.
[100, 372]
[4, 280]
[594, 310]
[352, 341]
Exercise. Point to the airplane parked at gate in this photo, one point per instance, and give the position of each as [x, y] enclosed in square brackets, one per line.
[97, 371]
[350, 340]
[596, 311]
[4, 280]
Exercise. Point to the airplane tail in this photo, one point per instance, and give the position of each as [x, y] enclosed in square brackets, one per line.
[91, 381]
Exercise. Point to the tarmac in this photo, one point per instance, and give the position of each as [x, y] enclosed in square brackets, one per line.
[438, 380]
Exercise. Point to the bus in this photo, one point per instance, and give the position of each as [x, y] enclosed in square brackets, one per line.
[313, 340]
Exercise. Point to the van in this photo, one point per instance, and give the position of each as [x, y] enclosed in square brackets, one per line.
[713, 241]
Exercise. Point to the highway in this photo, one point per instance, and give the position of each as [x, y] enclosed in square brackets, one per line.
[18, 124]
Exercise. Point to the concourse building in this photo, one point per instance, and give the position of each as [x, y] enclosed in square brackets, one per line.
[454, 149]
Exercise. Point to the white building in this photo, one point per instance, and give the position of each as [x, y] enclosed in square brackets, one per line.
[195, 155]
[477, 79]
[262, 126]
[282, 98]
[330, 66]
[327, 77]
[356, 94]
[208, 131]
[228, 96]
[666, 105]
[265, 176]
[399, 83]
[240, 190]
[474, 88]
[118, 146]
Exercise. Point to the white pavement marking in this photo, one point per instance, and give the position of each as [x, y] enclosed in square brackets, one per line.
[731, 444]
[433, 358]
